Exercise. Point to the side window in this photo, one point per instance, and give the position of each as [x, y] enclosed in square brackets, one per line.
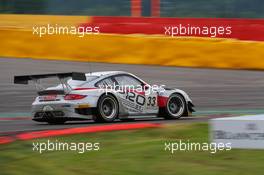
[123, 80]
[108, 82]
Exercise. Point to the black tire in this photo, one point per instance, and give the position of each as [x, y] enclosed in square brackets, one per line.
[56, 122]
[175, 108]
[107, 109]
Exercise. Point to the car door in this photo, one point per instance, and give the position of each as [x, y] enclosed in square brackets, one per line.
[133, 96]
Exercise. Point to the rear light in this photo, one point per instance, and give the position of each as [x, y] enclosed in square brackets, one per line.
[74, 97]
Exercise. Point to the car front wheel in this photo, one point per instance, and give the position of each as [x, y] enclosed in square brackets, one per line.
[175, 107]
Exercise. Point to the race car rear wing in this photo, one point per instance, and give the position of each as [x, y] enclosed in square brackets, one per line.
[25, 78]
[66, 88]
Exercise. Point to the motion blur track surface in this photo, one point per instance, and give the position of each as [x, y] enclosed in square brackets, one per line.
[215, 92]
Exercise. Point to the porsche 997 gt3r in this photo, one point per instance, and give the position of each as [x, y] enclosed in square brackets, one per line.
[101, 96]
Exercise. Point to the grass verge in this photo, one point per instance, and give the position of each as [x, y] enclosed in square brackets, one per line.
[131, 152]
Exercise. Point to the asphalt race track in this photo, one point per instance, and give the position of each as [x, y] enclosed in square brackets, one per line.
[215, 92]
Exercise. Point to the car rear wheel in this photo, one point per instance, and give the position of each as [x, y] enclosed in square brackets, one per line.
[175, 107]
[107, 109]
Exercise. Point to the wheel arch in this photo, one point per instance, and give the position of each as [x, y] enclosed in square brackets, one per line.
[182, 93]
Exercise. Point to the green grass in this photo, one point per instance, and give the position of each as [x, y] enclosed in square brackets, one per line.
[131, 152]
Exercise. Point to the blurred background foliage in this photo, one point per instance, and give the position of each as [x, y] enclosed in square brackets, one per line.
[169, 8]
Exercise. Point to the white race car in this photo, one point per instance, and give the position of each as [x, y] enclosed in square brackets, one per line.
[104, 97]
